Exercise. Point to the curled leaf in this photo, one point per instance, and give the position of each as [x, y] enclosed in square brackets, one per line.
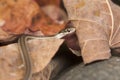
[97, 27]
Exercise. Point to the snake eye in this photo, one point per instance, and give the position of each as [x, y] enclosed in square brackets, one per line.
[68, 30]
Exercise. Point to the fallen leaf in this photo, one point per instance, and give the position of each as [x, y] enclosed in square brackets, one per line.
[17, 15]
[11, 64]
[97, 27]
[26, 17]
[42, 22]
[57, 14]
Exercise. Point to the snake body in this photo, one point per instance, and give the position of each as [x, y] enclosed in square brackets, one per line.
[25, 52]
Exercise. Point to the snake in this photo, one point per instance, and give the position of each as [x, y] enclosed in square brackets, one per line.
[22, 43]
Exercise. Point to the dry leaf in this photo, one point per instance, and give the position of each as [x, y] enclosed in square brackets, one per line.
[97, 27]
[17, 15]
[57, 14]
[25, 17]
[42, 22]
[11, 65]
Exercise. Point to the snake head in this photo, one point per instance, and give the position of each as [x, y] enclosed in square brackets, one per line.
[65, 32]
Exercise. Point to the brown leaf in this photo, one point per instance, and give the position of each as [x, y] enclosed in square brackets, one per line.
[11, 65]
[97, 27]
[57, 14]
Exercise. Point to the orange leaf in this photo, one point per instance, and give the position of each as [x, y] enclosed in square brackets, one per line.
[17, 15]
[42, 22]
